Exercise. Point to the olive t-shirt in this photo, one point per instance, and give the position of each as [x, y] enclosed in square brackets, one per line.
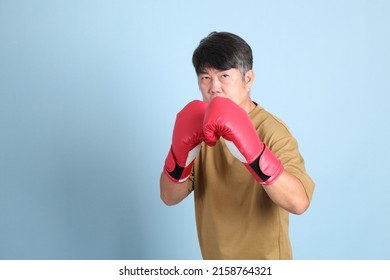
[235, 217]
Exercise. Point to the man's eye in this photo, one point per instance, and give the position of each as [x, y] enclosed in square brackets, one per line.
[225, 76]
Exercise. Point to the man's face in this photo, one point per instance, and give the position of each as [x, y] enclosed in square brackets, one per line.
[228, 84]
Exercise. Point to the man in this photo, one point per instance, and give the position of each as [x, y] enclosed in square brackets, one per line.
[247, 172]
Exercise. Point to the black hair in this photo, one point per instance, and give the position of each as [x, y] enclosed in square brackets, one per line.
[222, 51]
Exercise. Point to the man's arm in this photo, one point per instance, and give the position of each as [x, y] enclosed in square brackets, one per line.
[288, 192]
[186, 143]
[226, 119]
[172, 193]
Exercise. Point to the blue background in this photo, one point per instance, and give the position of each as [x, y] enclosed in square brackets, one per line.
[89, 91]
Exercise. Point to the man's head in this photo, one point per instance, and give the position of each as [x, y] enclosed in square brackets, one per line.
[223, 51]
[223, 63]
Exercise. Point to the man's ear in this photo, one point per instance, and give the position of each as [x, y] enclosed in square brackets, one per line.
[249, 78]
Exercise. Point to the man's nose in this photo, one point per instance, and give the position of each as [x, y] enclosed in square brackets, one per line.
[215, 86]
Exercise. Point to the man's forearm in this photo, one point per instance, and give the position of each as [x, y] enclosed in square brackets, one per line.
[172, 193]
[288, 192]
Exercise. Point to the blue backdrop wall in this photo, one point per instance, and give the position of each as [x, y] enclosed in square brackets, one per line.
[89, 91]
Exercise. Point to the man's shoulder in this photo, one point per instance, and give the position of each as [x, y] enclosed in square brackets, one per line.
[268, 122]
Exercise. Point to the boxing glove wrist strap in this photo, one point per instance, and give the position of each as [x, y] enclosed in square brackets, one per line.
[266, 168]
[174, 171]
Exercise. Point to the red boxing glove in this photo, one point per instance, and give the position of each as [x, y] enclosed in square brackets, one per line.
[226, 119]
[186, 139]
